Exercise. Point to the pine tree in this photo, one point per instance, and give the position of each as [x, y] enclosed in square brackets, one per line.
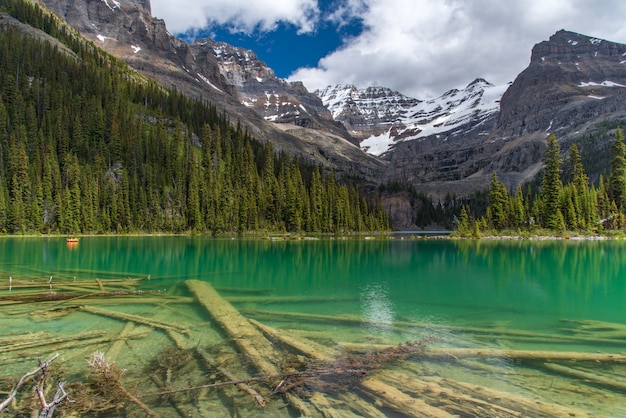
[551, 186]
[617, 178]
[498, 199]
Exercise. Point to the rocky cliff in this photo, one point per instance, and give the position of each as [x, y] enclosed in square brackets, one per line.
[572, 80]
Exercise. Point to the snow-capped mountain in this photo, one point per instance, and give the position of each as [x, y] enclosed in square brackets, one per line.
[381, 117]
[573, 87]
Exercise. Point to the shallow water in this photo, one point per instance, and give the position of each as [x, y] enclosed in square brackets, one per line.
[393, 291]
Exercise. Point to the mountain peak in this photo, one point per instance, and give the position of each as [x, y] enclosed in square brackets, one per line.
[572, 45]
[382, 117]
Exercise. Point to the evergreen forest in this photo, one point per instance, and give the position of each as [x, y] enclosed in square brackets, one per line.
[89, 146]
[566, 201]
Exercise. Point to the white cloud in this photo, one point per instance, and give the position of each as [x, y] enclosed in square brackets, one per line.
[241, 15]
[419, 47]
[425, 47]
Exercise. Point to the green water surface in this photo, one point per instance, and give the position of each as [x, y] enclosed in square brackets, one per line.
[522, 285]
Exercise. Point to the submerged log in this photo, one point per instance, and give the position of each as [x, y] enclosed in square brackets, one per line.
[308, 348]
[389, 396]
[597, 329]
[439, 395]
[166, 326]
[285, 299]
[530, 407]
[17, 284]
[440, 330]
[185, 344]
[522, 354]
[31, 343]
[120, 340]
[248, 339]
[443, 353]
[591, 378]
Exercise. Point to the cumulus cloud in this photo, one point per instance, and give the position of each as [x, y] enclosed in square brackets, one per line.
[425, 47]
[244, 16]
[419, 47]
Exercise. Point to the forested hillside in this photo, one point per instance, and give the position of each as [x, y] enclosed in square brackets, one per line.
[565, 201]
[90, 146]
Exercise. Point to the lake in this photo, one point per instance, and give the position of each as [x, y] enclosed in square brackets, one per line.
[496, 327]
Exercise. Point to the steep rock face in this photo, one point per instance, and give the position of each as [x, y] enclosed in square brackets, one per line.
[269, 96]
[572, 80]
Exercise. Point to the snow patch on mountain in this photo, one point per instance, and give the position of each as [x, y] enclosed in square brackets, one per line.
[390, 117]
[116, 4]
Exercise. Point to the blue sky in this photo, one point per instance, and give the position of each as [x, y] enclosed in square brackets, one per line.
[421, 48]
[285, 48]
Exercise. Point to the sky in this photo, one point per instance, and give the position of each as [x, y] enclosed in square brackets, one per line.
[421, 48]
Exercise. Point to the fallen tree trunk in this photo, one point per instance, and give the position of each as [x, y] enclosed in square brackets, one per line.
[248, 339]
[31, 343]
[458, 353]
[591, 378]
[389, 396]
[522, 354]
[184, 344]
[166, 326]
[530, 407]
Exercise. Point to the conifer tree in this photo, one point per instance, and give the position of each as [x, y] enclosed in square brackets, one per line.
[551, 186]
[498, 199]
[617, 178]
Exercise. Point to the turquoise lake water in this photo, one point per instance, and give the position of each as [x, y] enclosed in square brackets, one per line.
[527, 286]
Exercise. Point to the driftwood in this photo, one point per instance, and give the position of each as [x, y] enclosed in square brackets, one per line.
[166, 326]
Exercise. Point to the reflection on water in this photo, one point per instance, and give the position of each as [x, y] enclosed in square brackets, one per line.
[377, 307]
[468, 294]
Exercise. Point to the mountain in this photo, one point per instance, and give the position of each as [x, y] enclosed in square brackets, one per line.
[381, 117]
[233, 78]
[91, 146]
[574, 87]
[449, 145]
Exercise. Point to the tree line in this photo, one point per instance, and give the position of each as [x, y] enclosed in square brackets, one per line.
[566, 200]
[87, 145]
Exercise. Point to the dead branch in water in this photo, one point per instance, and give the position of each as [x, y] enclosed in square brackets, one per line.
[345, 368]
[47, 408]
[107, 378]
[42, 366]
